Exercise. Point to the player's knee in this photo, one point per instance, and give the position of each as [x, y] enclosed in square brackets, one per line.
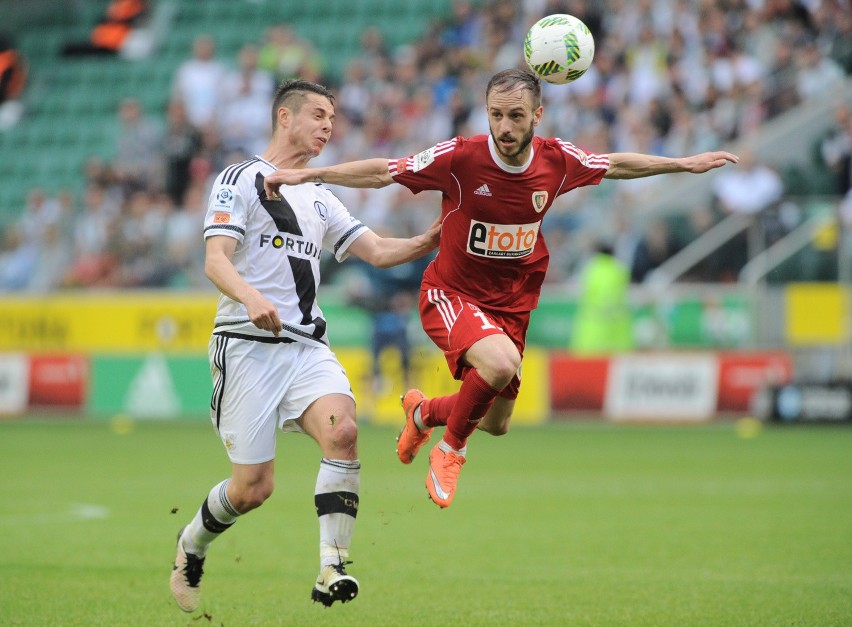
[344, 434]
[500, 372]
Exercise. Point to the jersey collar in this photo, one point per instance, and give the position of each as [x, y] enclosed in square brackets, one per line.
[514, 169]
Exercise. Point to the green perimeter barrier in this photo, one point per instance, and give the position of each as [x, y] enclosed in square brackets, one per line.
[149, 386]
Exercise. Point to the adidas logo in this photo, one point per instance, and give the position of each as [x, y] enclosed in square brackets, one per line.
[483, 191]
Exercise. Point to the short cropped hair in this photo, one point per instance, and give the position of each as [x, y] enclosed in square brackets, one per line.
[291, 94]
[509, 80]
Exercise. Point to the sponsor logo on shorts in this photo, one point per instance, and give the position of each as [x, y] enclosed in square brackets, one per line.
[502, 240]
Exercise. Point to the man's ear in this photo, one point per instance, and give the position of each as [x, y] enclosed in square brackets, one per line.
[283, 116]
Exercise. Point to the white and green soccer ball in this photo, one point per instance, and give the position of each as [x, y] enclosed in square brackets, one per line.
[559, 48]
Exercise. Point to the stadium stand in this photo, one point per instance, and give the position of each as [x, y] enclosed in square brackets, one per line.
[71, 103]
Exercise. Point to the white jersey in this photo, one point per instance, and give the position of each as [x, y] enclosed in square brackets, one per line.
[279, 249]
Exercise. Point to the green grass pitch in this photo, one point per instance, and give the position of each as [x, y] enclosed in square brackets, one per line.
[564, 524]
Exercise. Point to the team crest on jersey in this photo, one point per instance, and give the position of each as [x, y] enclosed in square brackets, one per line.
[539, 200]
[322, 210]
[224, 198]
[502, 241]
[423, 159]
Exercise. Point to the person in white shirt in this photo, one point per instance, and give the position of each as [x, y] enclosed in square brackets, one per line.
[198, 82]
[271, 364]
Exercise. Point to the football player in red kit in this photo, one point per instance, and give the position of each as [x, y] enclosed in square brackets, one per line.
[477, 295]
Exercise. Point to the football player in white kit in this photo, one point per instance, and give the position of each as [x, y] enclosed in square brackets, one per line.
[269, 355]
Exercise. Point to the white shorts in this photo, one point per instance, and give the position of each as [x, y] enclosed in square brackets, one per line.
[259, 386]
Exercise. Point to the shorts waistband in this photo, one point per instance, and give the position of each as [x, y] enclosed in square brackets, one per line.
[255, 338]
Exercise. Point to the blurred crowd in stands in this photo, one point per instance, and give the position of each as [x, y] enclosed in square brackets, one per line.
[670, 77]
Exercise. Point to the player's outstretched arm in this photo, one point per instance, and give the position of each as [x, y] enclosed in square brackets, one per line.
[386, 252]
[634, 165]
[365, 173]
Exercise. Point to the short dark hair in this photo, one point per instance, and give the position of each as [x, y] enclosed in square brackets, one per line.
[291, 94]
[511, 79]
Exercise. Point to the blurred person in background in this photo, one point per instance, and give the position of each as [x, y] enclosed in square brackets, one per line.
[112, 31]
[270, 359]
[13, 79]
[603, 323]
[138, 148]
[241, 115]
[181, 142]
[477, 295]
[198, 82]
[753, 192]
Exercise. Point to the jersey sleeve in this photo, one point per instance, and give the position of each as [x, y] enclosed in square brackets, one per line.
[429, 169]
[227, 209]
[581, 168]
[343, 229]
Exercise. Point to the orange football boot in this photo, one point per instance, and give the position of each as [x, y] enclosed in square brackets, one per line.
[410, 438]
[444, 470]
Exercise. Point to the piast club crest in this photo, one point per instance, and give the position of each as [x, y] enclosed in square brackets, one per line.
[539, 200]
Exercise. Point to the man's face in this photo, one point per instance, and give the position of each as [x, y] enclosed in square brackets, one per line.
[310, 126]
[512, 121]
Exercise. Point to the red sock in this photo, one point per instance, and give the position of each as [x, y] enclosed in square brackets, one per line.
[435, 411]
[474, 399]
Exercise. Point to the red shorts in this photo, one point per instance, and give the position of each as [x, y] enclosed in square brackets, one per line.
[455, 324]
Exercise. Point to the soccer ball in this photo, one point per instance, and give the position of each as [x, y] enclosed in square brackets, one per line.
[559, 48]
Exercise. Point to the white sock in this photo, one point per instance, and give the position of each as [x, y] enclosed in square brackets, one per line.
[336, 500]
[418, 419]
[449, 449]
[213, 518]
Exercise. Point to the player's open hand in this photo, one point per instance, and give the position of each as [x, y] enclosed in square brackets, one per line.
[708, 161]
[283, 177]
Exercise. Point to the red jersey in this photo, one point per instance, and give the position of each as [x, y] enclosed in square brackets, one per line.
[492, 249]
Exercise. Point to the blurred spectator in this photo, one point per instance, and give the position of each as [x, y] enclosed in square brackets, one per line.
[626, 243]
[18, 259]
[138, 148]
[111, 32]
[818, 74]
[752, 190]
[198, 82]
[655, 247]
[184, 256]
[243, 118]
[836, 148]
[285, 55]
[669, 77]
[180, 145]
[13, 78]
[90, 238]
[603, 323]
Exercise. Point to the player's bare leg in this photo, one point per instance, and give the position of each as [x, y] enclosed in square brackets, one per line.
[330, 420]
[496, 420]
